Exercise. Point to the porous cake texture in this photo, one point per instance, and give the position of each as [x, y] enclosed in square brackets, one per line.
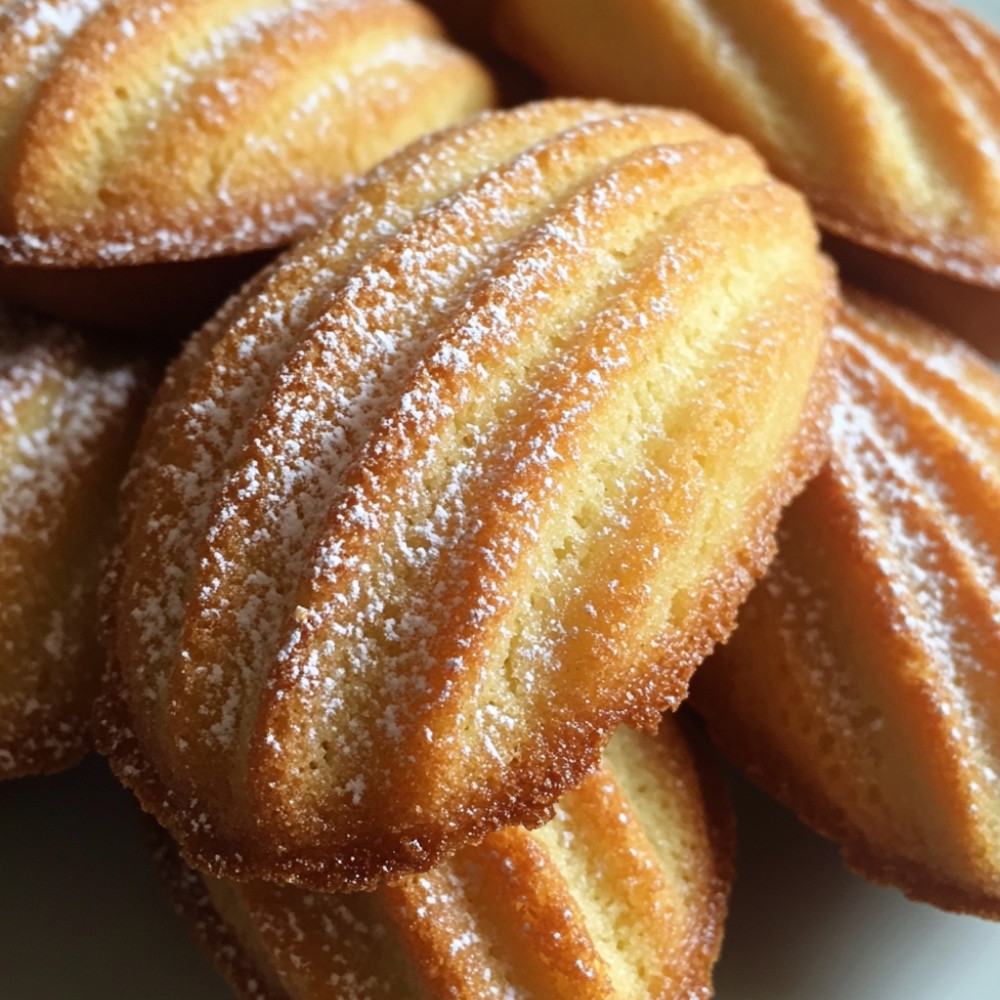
[135, 131]
[621, 895]
[860, 686]
[472, 475]
[68, 419]
[885, 114]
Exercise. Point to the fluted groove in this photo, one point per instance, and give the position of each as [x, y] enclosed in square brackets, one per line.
[885, 114]
[138, 131]
[445, 486]
[860, 685]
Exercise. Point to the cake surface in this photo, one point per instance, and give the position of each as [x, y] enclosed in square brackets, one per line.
[472, 475]
[884, 114]
[860, 686]
[68, 419]
[621, 895]
[141, 131]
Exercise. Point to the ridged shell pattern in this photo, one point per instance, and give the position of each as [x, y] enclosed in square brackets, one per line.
[67, 424]
[861, 685]
[133, 130]
[451, 490]
[885, 113]
[621, 896]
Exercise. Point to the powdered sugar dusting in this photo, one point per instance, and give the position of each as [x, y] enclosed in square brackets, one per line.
[906, 453]
[326, 402]
[342, 440]
[55, 414]
[231, 396]
[74, 406]
[330, 942]
[232, 376]
[448, 910]
[411, 610]
[240, 181]
[31, 42]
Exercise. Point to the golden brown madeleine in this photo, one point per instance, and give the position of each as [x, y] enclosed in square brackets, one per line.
[861, 686]
[466, 479]
[621, 895]
[133, 131]
[67, 424]
[886, 114]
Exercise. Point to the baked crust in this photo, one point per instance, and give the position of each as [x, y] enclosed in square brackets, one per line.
[462, 482]
[134, 132]
[860, 685]
[622, 894]
[884, 114]
[68, 419]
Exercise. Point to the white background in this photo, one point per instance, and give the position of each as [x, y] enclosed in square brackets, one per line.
[82, 918]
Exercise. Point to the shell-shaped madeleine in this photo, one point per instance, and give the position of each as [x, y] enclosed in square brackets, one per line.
[861, 686]
[621, 895]
[133, 131]
[67, 423]
[885, 114]
[466, 479]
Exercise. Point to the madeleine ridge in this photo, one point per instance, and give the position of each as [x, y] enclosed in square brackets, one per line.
[69, 416]
[476, 473]
[134, 131]
[621, 896]
[884, 114]
[860, 687]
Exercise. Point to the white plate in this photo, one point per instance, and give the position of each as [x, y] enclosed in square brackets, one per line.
[82, 918]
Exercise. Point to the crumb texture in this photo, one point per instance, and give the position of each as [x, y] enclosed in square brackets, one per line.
[134, 131]
[476, 472]
[885, 113]
[860, 685]
[68, 420]
[621, 896]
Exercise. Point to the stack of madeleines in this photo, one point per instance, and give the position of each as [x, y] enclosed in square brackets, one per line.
[434, 518]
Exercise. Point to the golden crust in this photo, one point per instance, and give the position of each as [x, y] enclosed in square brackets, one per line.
[68, 420]
[458, 485]
[860, 685]
[622, 894]
[133, 132]
[885, 114]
